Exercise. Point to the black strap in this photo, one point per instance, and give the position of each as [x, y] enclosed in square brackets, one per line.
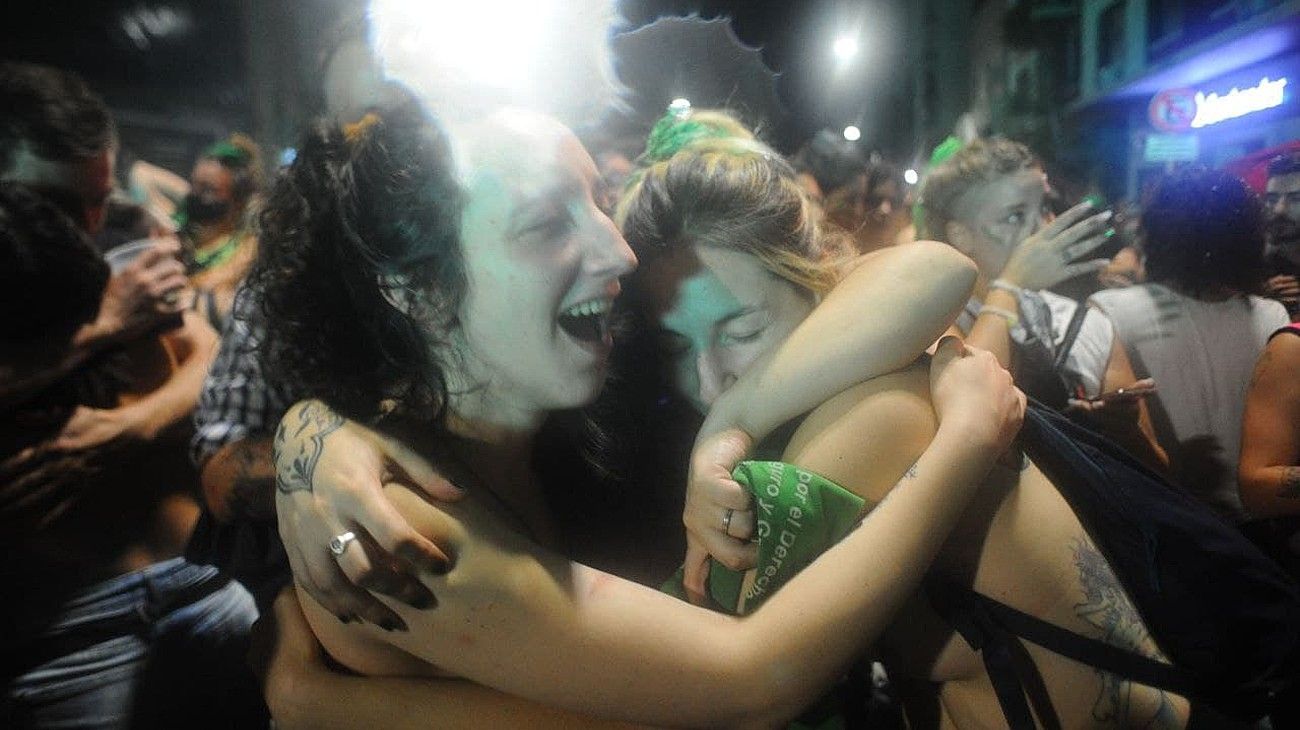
[1071, 334]
[993, 629]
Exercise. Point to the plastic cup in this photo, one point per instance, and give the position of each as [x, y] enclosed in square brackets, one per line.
[121, 257]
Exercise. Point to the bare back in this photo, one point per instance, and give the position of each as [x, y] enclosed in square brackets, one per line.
[1019, 543]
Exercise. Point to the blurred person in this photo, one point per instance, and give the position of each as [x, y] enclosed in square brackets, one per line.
[864, 198]
[241, 403]
[105, 625]
[57, 137]
[988, 199]
[1282, 208]
[1269, 470]
[215, 220]
[1195, 326]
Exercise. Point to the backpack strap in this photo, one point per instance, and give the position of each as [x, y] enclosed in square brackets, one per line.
[994, 629]
[1071, 334]
[1293, 328]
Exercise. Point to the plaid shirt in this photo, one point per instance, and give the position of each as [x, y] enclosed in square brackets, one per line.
[237, 400]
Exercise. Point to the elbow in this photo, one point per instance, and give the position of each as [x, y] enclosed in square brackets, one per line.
[770, 692]
[946, 267]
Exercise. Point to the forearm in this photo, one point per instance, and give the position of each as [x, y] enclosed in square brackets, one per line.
[1271, 491]
[885, 557]
[344, 702]
[879, 318]
[175, 401]
[239, 481]
[992, 330]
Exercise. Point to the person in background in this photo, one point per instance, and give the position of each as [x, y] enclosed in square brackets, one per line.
[215, 220]
[106, 626]
[240, 403]
[988, 200]
[1195, 325]
[1282, 208]
[57, 137]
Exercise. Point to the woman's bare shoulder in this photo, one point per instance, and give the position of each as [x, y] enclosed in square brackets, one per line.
[867, 437]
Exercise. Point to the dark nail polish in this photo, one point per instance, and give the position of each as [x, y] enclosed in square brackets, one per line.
[344, 618]
[391, 624]
[439, 567]
[424, 601]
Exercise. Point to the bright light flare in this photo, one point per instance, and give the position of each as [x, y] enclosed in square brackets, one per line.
[462, 58]
[680, 107]
[852, 133]
[845, 48]
[910, 177]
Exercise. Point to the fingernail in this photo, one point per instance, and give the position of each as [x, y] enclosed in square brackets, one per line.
[1110, 233]
[424, 601]
[392, 624]
[438, 567]
[344, 618]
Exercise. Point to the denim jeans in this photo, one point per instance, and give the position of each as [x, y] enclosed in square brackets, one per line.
[161, 647]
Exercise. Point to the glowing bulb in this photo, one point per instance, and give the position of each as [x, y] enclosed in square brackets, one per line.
[911, 177]
[680, 107]
[845, 48]
[852, 133]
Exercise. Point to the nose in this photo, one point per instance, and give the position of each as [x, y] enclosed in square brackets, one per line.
[885, 209]
[609, 255]
[714, 380]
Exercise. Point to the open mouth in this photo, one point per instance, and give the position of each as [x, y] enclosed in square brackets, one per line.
[587, 321]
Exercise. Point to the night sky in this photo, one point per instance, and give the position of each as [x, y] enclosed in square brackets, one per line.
[159, 53]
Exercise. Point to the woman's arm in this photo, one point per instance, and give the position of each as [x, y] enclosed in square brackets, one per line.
[884, 313]
[303, 692]
[891, 306]
[531, 624]
[1269, 473]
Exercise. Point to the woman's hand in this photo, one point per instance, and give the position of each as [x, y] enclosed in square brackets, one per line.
[975, 395]
[1048, 257]
[719, 513]
[329, 477]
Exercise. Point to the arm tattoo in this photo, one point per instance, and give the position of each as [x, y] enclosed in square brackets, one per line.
[1107, 608]
[296, 462]
[1290, 483]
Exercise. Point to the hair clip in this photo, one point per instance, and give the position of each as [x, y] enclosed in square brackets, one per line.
[356, 130]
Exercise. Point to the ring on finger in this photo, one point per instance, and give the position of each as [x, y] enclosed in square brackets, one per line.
[340, 543]
[726, 521]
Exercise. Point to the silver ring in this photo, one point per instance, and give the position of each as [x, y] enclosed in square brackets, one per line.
[340, 542]
[726, 521]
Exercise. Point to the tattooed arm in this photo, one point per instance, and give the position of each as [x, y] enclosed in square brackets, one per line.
[1270, 433]
[329, 474]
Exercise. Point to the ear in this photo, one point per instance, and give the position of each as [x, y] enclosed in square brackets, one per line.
[958, 236]
[399, 294]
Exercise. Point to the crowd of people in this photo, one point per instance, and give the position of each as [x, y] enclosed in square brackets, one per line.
[436, 400]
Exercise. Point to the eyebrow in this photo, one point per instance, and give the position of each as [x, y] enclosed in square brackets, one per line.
[743, 311]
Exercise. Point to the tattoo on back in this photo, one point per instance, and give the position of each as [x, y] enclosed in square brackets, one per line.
[1106, 607]
[296, 461]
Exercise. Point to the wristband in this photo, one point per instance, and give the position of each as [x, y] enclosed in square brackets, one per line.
[1012, 320]
[1007, 286]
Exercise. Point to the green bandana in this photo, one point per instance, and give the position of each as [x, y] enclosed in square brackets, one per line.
[799, 516]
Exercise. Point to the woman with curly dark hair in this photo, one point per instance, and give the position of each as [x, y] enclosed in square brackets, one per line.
[458, 290]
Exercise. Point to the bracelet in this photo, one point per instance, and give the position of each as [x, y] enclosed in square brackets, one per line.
[1007, 286]
[1012, 320]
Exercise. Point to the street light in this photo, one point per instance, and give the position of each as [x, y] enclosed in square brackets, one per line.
[911, 177]
[852, 133]
[845, 48]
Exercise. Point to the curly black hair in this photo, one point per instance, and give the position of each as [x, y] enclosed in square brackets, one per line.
[51, 278]
[1203, 232]
[360, 223]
